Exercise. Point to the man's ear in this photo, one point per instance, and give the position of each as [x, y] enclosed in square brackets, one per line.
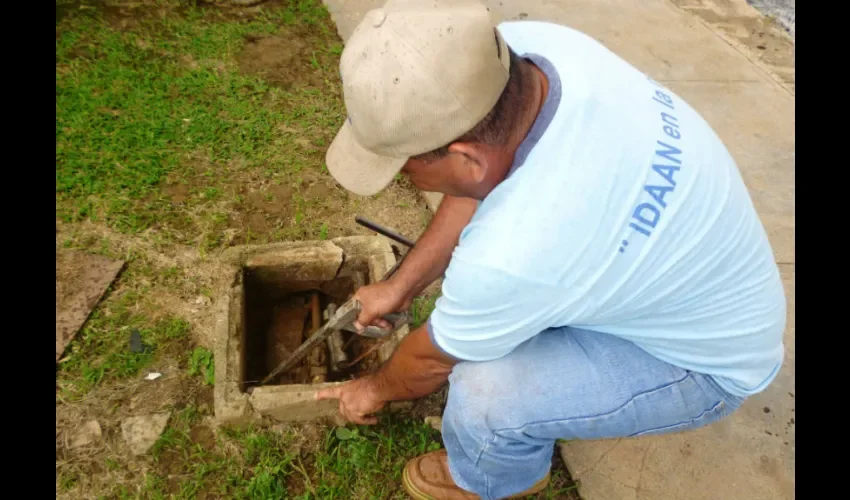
[475, 159]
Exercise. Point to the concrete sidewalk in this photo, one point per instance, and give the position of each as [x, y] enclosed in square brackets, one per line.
[737, 69]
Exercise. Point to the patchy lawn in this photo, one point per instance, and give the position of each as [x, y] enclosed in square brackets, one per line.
[205, 127]
[182, 129]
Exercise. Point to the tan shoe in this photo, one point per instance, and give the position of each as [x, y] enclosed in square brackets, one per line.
[427, 477]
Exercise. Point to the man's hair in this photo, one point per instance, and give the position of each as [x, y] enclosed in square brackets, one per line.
[497, 126]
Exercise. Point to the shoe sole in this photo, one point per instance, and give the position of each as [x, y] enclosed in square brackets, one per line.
[412, 490]
[416, 494]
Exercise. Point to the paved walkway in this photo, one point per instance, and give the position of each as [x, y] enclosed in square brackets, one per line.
[737, 70]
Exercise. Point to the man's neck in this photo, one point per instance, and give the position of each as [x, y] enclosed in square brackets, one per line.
[539, 84]
[536, 89]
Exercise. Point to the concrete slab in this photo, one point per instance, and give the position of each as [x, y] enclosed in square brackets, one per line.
[656, 37]
[86, 434]
[275, 271]
[763, 40]
[81, 281]
[346, 14]
[141, 432]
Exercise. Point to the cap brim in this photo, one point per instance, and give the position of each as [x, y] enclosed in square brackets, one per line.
[358, 169]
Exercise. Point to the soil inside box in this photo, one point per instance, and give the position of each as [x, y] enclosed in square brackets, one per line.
[277, 319]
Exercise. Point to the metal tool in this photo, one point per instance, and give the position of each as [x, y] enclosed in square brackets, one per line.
[397, 320]
[377, 345]
[336, 353]
[347, 313]
[389, 233]
[341, 320]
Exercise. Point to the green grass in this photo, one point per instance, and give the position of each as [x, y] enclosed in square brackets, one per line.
[366, 462]
[201, 364]
[166, 102]
[259, 463]
[190, 461]
[422, 308]
[100, 352]
[101, 349]
[163, 103]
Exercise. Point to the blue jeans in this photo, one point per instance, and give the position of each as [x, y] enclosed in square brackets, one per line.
[503, 416]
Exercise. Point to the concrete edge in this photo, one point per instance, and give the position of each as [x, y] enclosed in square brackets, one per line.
[741, 48]
[286, 402]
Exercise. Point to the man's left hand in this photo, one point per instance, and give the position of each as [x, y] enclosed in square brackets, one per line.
[358, 400]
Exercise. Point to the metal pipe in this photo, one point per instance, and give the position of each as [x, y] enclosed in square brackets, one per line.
[389, 233]
[335, 350]
[316, 311]
[394, 268]
[318, 372]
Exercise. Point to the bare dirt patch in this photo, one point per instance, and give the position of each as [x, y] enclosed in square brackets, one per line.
[274, 200]
[107, 463]
[318, 191]
[176, 192]
[284, 59]
[120, 16]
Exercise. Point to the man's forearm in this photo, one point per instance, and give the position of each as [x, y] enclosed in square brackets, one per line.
[416, 369]
[430, 257]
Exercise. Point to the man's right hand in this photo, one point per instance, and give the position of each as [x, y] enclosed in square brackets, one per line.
[424, 263]
[378, 300]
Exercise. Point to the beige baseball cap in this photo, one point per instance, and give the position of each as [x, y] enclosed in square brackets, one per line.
[415, 75]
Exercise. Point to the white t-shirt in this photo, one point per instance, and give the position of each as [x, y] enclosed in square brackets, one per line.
[623, 214]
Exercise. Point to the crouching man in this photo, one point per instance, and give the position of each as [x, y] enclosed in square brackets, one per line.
[606, 274]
